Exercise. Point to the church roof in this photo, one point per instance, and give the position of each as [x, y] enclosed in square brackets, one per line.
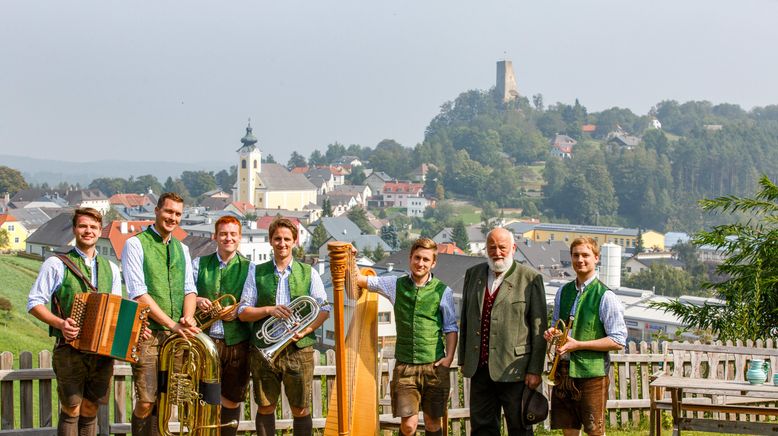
[276, 177]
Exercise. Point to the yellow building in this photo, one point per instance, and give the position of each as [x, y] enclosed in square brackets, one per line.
[17, 233]
[625, 237]
[268, 185]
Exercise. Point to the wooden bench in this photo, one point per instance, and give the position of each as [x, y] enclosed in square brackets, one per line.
[712, 363]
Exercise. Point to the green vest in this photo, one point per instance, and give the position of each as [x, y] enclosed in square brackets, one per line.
[419, 322]
[213, 282]
[587, 326]
[164, 268]
[72, 285]
[267, 284]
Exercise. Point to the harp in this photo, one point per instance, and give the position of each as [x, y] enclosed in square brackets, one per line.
[353, 409]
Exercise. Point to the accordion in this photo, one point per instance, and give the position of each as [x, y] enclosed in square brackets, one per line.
[109, 325]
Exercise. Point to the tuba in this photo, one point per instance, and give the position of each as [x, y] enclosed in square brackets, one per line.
[193, 386]
[279, 332]
[557, 341]
[218, 310]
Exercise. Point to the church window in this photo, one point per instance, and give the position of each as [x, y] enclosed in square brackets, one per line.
[243, 164]
[255, 164]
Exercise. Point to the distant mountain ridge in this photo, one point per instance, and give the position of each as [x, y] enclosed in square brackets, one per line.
[36, 170]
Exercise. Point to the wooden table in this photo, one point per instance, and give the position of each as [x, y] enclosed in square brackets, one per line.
[678, 385]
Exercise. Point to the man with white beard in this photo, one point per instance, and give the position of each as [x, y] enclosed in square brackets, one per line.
[501, 344]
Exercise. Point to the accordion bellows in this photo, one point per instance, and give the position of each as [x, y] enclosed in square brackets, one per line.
[110, 325]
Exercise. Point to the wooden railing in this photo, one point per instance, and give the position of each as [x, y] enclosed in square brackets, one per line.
[628, 399]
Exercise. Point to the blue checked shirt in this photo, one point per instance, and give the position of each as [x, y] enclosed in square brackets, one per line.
[283, 296]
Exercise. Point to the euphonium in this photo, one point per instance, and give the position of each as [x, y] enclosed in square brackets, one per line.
[194, 388]
[557, 341]
[218, 310]
[279, 332]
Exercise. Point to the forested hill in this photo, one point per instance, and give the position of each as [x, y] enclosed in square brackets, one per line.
[483, 148]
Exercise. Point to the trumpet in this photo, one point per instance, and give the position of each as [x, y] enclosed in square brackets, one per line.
[218, 310]
[279, 332]
[557, 341]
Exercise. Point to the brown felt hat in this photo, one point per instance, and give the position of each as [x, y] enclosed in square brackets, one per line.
[534, 407]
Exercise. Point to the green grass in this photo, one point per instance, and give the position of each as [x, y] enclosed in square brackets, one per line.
[23, 332]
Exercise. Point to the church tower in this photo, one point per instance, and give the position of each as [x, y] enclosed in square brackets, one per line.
[249, 167]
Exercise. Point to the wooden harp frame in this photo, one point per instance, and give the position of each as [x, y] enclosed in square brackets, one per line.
[353, 409]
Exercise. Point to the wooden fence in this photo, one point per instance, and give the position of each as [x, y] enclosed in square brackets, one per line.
[628, 399]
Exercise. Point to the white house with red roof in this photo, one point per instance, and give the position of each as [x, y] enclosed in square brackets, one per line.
[396, 194]
[562, 146]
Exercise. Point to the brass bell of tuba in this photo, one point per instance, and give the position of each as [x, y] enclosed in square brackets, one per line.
[279, 332]
[189, 379]
[218, 310]
[557, 341]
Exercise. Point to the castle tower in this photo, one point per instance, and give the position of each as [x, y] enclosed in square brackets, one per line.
[506, 82]
[249, 167]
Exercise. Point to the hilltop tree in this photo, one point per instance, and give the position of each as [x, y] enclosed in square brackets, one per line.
[389, 235]
[751, 249]
[316, 158]
[296, 160]
[664, 279]
[11, 180]
[178, 187]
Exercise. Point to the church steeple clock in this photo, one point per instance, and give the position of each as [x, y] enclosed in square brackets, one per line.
[249, 167]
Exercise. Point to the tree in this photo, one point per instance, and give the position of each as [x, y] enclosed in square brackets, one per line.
[269, 159]
[109, 185]
[750, 293]
[198, 182]
[389, 235]
[359, 217]
[5, 310]
[178, 187]
[296, 160]
[316, 158]
[378, 253]
[318, 238]
[226, 180]
[326, 207]
[111, 216]
[143, 184]
[357, 176]
[11, 180]
[639, 247]
[5, 239]
[459, 236]
[664, 279]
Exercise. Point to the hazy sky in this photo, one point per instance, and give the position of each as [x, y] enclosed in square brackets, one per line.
[177, 80]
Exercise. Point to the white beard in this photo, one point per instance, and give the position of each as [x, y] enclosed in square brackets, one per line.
[499, 266]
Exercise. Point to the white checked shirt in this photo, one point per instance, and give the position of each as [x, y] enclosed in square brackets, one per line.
[132, 267]
[283, 295]
[217, 328]
[52, 273]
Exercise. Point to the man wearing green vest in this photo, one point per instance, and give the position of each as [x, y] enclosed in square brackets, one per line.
[158, 271]
[218, 274]
[501, 346]
[426, 322]
[83, 380]
[268, 292]
[597, 325]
